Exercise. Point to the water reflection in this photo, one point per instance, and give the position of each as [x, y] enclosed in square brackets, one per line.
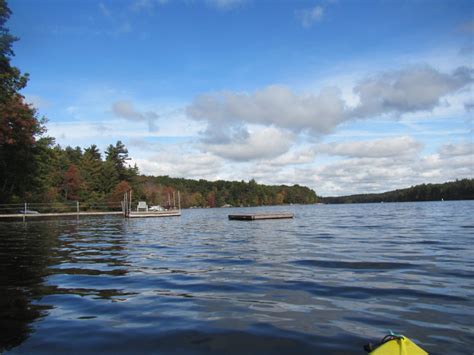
[35, 256]
[25, 254]
[87, 258]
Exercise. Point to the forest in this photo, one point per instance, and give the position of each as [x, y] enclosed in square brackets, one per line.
[454, 190]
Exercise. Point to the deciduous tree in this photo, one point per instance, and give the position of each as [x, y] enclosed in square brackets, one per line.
[72, 183]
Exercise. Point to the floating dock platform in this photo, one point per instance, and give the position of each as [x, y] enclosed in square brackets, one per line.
[259, 216]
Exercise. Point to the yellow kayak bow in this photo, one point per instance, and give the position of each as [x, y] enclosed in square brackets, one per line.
[394, 344]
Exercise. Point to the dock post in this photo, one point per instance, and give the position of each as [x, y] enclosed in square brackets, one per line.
[24, 211]
[77, 208]
[125, 204]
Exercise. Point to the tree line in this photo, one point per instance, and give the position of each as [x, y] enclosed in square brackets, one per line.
[203, 193]
[76, 174]
[453, 190]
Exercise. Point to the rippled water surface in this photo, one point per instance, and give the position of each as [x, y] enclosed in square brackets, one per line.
[328, 281]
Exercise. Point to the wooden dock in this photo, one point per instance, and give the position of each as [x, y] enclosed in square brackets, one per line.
[173, 213]
[59, 214]
[259, 216]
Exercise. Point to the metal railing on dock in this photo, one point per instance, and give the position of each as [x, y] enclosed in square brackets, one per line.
[34, 210]
[28, 210]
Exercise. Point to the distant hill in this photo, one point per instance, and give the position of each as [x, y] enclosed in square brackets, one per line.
[453, 190]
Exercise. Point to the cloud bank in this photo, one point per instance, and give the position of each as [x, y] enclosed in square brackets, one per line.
[414, 89]
[358, 168]
[410, 90]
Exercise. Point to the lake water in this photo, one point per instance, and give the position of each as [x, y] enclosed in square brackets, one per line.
[328, 281]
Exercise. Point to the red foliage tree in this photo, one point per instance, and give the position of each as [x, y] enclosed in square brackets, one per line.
[117, 193]
[72, 183]
[211, 199]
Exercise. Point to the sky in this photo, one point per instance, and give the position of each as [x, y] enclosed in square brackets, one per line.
[342, 96]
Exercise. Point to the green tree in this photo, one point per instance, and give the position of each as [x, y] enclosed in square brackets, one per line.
[118, 156]
[42, 185]
[73, 155]
[109, 177]
[91, 169]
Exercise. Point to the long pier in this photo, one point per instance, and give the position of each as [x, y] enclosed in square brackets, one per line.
[27, 211]
[58, 214]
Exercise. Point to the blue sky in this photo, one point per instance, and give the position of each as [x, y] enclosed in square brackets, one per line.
[342, 96]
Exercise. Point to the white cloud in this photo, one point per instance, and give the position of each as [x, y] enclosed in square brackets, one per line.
[414, 89]
[299, 156]
[409, 91]
[309, 17]
[379, 148]
[273, 105]
[457, 150]
[125, 109]
[179, 161]
[263, 143]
